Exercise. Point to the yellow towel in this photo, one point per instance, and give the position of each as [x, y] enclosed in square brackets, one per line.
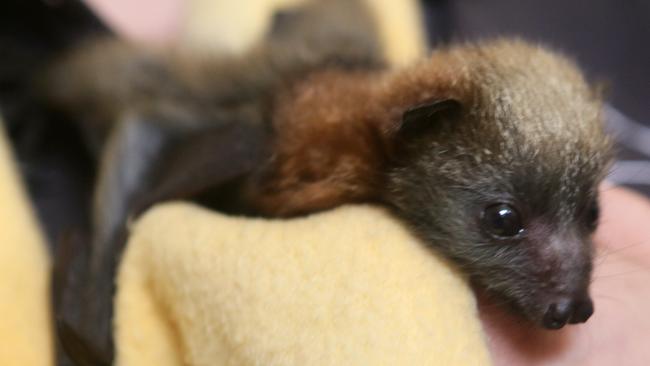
[25, 330]
[346, 287]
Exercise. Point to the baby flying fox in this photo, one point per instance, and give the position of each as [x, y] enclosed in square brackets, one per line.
[491, 152]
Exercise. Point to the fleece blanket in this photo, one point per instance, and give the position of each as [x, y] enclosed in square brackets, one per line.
[25, 326]
[345, 287]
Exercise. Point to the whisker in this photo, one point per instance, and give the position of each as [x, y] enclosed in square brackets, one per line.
[613, 275]
[608, 297]
[495, 304]
[606, 252]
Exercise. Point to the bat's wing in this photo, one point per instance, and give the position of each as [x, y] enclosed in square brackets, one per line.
[147, 160]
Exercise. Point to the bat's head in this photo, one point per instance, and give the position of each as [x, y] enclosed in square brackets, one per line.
[503, 176]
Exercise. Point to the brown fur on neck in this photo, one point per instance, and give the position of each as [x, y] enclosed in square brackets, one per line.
[328, 148]
[335, 130]
[335, 134]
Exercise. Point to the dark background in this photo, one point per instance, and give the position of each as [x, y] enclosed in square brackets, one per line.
[609, 39]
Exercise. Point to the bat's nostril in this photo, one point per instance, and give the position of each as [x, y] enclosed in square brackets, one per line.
[558, 314]
[583, 311]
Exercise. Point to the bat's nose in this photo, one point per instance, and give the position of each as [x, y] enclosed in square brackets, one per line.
[583, 310]
[567, 311]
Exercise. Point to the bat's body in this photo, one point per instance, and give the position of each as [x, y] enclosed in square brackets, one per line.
[491, 152]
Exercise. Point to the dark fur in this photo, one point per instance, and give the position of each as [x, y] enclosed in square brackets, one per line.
[315, 124]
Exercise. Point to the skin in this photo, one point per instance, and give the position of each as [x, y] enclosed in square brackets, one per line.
[147, 20]
[618, 330]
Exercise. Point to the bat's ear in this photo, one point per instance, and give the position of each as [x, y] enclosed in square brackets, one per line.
[427, 116]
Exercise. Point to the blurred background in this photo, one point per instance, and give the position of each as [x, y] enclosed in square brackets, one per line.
[609, 39]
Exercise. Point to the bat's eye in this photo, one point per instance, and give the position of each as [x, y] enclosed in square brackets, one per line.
[501, 220]
[593, 213]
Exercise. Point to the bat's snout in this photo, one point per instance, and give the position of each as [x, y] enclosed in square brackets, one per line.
[567, 310]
